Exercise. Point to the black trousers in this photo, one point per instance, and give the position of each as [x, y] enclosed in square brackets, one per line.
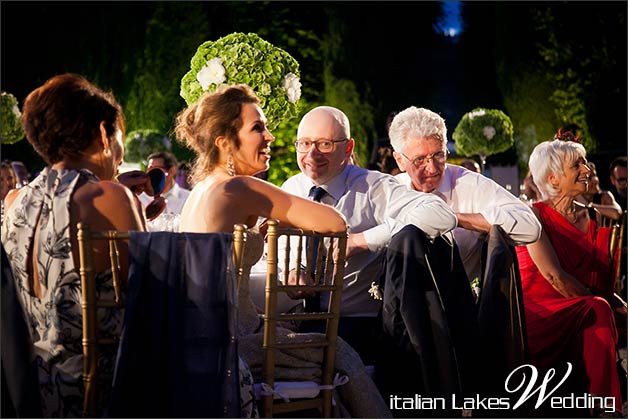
[429, 323]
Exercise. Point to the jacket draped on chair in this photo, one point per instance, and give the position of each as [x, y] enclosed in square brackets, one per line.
[178, 352]
[501, 316]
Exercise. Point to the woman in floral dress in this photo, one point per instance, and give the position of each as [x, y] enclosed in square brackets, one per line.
[78, 130]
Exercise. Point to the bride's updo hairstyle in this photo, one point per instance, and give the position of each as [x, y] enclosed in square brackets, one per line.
[213, 115]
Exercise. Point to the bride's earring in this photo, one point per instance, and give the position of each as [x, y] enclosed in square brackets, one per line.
[230, 166]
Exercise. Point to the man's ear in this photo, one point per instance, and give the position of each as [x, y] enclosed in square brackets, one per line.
[401, 162]
[349, 147]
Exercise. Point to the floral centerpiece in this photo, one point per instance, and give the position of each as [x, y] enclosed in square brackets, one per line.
[12, 130]
[483, 132]
[271, 72]
[139, 144]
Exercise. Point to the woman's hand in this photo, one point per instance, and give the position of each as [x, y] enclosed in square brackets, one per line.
[569, 287]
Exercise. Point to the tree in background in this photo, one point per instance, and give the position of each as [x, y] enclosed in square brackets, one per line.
[559, 65]
[172, 35]
[579, 46]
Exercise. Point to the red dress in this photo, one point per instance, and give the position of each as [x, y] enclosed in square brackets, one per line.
[576, 329]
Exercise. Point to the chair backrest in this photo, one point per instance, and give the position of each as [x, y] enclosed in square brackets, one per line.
[323, 254]
[91, 303]
[615, 251]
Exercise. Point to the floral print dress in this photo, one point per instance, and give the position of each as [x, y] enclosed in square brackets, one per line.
[42, 209]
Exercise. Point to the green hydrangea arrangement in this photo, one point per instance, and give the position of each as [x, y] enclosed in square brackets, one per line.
[139, 144]
[12, 130]
[484, 132]
[271, 72]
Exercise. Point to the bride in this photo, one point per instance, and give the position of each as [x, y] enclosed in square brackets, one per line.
[228, 131]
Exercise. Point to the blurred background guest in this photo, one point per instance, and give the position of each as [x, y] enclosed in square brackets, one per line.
[22, 173]
[472, 165]
[529, 191]
[174, 195]
[8, 179]
[618, 169]
[183, 175]
[599, 199]
[565, 320]
[77, 129]
[383, 159]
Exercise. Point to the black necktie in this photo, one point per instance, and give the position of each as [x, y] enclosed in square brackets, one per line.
[317, 193]
[313, 304]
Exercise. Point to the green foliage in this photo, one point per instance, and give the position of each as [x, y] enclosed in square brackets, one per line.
[484, 132]
[532, 113]
[284, 158]
[172, 35]
[139, 144]
[12, 130]
[343, 94]
[574, 62]
[246, 58]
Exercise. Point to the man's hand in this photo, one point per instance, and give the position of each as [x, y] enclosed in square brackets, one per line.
[137, 181]
[356, 244]
[301, 279]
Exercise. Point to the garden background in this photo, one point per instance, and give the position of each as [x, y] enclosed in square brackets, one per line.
[545, 64]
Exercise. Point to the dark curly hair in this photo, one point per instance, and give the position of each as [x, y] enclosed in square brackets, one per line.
[62, 117]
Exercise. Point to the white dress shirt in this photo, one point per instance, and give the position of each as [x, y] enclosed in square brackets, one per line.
[469, 192]
[169, 219]
[377, 205]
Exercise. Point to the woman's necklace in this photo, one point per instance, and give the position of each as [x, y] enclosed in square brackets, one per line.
[570, 215]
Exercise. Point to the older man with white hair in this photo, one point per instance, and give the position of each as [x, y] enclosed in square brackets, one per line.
[419, 137]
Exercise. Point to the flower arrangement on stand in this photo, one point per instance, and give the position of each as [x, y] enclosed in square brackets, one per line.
[271, 72]
[12, 130]
[483, 132]
[140, 143]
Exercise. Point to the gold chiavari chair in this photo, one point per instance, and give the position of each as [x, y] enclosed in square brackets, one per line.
[616, 252]
[327, 262]
[91, 303]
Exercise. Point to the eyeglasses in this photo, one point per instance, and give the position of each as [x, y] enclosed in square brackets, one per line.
[323, 146]
[420, 161]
